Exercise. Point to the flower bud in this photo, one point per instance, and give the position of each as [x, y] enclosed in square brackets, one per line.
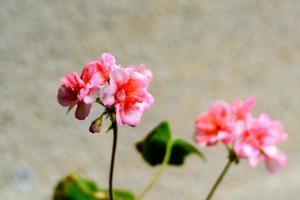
[96, 126]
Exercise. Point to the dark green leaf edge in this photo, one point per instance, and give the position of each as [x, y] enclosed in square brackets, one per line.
[74, 187]
[157, 141]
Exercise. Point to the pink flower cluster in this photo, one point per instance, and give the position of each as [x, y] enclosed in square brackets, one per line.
[125, 89]
[254, 139]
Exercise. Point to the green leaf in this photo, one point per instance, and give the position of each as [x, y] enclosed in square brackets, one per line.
[73, 187]
[122, 194]
[153, 147]
[180, 150]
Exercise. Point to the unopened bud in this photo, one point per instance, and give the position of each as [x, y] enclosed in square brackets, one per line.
[96, 126]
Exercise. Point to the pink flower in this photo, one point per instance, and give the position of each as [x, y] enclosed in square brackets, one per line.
[259, 140]
[222, 122]
[242, 108]
[252, 139]
[96, 72]
[142, 70]
[84, 90]
[214, 125]
[127, 91]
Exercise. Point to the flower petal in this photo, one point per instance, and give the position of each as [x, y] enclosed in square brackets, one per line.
[93, 75]
[73, 81]
[276, 163]
[93, 94]
[118, 76]
[82, 110]
[66, 96]
[108, 94]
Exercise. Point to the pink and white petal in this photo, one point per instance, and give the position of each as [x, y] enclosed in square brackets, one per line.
[238, 149]
[93, 94]
[249, 151]
[145, 72]
[82, 110]
[246, 106]
[265, 120]
[253, 161]
[118, 76]
[119, 108]
[130, 69]
[271, 151]
[108, 95]
[116, 67]
[92, 76]
[225, 137]
[279, 131]
[139, 77]
[139, 93]
[221, 112]
[239, 128]
[147, 102]
[89, 70]
[108, 60]
[98, 79]
[121, 95]
[136, 83]
[73, 81]
[200, 139]
[212, 140]
[131, 116]
[276, 163]
[131, 99]
[205, 123]
[82, 93]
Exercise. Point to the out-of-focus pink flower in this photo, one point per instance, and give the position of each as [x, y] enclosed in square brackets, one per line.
[84, 90]
[258, 142]
[254, 139]
[214, 125]
[222, 122]
[240, 109]
[127, 91]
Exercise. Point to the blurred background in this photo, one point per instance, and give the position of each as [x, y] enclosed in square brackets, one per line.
[199, 51]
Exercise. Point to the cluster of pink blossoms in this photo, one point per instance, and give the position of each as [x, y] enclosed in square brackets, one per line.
[124, 89]
[254, 139]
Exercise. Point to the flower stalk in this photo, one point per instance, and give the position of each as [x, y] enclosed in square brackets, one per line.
[113, 154]
[159, 173]
[231, 159]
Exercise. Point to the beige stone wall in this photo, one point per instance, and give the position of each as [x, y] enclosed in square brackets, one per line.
[199, 51]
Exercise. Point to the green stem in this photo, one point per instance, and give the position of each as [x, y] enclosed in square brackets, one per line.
[113, 154]
[160, 171]
[98, 100]
[231, 158]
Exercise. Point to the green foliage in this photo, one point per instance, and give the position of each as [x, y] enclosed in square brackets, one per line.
[122, 195]
[73, 187]
[181, 149]
[153, 147]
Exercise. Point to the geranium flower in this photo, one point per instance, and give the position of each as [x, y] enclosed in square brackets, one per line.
[127, 92]
[84, 90]
[258, 142]
[215, 125]
[222, 122]
[240, 109]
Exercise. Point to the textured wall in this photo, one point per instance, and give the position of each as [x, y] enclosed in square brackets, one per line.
[199, 51]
